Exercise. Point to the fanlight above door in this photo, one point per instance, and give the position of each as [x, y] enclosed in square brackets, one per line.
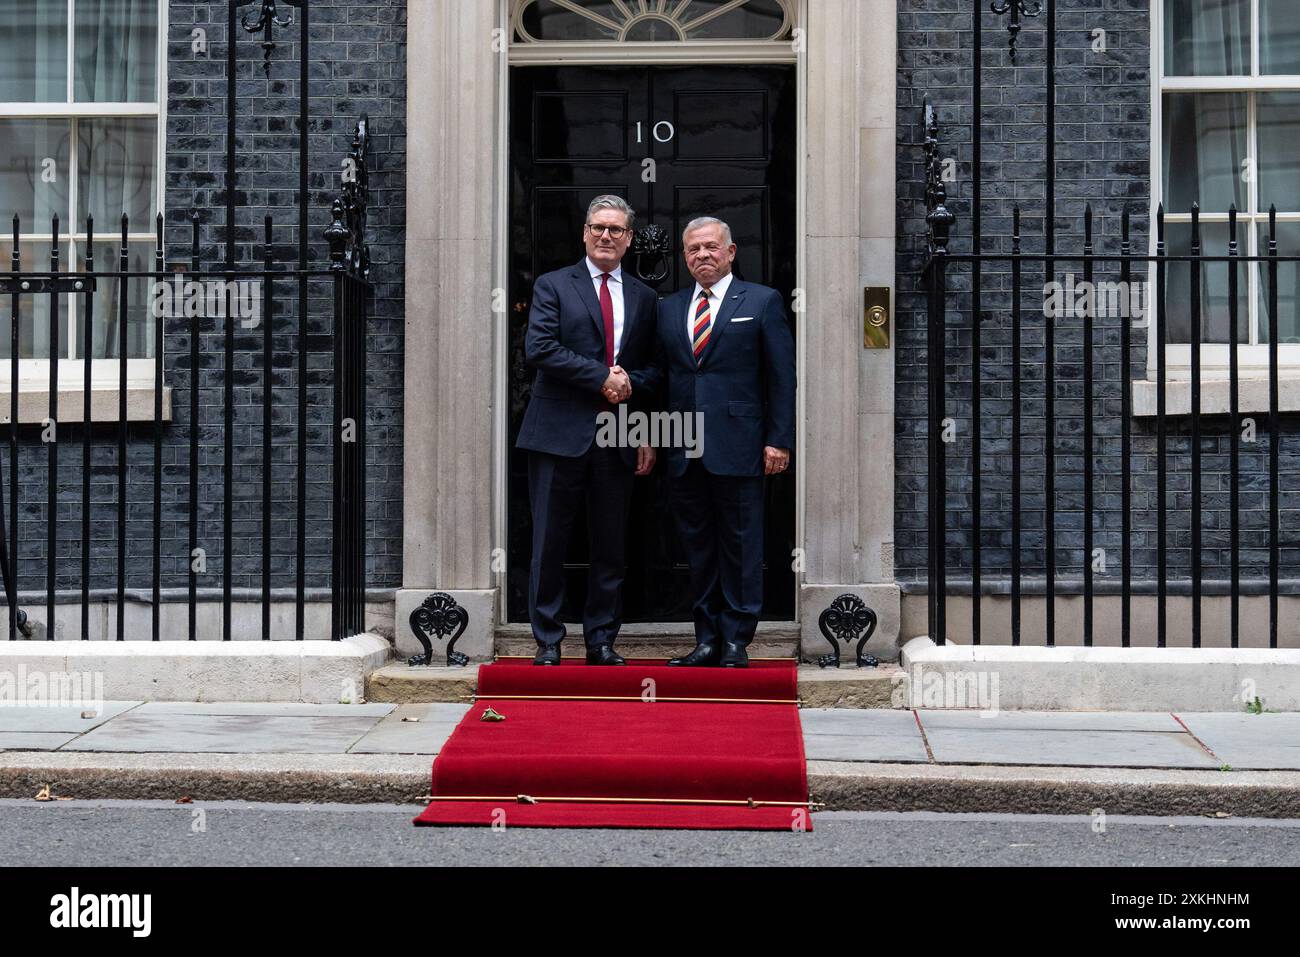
[618, 21]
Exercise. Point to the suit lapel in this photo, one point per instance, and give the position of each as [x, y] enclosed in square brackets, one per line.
[587, 293]
[735, 294]
[682, 321]
[631, 304]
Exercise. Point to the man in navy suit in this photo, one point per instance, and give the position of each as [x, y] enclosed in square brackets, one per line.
[589, 323]
[726, 349]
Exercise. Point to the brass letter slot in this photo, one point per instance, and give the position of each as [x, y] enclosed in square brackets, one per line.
[875, 317]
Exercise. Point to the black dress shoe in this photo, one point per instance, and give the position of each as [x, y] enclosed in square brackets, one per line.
[733, 655]
[547, 655]
[703, 656]
[604, 655]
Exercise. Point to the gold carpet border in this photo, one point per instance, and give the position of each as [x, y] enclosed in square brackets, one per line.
[651, 700]
[530, 799]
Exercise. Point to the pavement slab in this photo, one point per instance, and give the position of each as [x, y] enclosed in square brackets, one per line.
[34, 740]
[34, 717]
[249, 734]
[399, 734]
[878, 747]
[1258, 741]
[270, 709]
[1049, 720]
[1067, 748]
[848, 734]
[858, 721]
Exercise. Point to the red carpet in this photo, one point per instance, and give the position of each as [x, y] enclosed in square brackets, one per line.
[671, 757]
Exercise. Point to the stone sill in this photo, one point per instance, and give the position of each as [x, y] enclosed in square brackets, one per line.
[34, 405]
[1252, 395]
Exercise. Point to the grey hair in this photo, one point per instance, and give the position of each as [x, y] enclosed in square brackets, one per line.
[610, 201]
[703, 221]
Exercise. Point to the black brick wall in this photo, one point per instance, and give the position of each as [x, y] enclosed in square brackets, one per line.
[358, 65]
[1103, 158]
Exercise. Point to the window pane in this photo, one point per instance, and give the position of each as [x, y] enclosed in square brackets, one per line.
[1207, 37]
[1288, 284]
[107, 327]
[33, 310]
[545, 20]
[1214, 284]
[116, 51]
[1278, 115]
[116, 173]
[1279, 36]
[653, 28]
[1204, 149]
[756, 20]
[33, 51]
[34, 173]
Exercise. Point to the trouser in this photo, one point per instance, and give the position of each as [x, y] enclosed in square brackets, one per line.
[558, 487]
[720, 519]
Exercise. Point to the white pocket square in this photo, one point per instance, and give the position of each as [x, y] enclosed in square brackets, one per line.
[741, 318]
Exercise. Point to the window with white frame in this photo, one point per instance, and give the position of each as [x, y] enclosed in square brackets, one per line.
[80, 137]
[1227, 117]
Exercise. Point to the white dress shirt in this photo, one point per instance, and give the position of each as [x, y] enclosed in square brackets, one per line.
[717, 295]
[615, 293]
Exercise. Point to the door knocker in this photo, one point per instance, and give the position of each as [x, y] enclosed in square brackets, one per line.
[652, 248]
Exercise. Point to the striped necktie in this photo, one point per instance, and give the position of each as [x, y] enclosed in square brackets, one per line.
[703, 325]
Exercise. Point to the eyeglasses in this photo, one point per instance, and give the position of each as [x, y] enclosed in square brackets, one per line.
[615, 232]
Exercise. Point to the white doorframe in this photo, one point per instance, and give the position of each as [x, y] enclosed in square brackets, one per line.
[615, 54]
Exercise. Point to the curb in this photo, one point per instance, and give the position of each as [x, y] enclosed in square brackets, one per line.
[1052, 790]
[840, 786]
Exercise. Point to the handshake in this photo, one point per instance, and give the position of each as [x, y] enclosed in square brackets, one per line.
[618, 387]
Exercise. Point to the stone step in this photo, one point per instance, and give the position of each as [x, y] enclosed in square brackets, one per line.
[847, 687]
[775, 639]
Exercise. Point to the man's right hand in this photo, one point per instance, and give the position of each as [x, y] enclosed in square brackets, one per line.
[618, 387]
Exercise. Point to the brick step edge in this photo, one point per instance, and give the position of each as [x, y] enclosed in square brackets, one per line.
[847, 687]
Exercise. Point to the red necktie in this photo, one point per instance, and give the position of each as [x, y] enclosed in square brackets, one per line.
[607, 313]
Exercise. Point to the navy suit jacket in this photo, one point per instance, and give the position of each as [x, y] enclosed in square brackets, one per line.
[744, 383]
[565, 343]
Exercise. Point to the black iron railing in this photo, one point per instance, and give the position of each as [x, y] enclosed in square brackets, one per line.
[317, 336]
[332, 335]
[978, 302]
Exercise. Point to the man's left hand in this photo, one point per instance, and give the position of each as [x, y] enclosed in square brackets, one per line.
[645, 459]
[775, 461]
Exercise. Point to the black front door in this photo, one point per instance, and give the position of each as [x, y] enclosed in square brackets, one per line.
[676, 143]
